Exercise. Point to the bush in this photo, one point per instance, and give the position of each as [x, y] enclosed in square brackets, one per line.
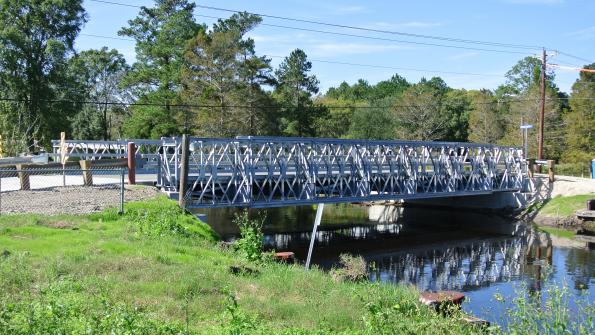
[353, 268]
[251, 243]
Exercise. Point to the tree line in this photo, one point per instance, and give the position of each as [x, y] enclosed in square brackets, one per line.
[209, 81]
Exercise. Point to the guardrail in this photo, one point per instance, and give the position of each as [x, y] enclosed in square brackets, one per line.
[534, 166]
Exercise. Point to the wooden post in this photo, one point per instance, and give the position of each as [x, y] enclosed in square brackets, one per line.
[87, 175]
[1, 148]
[184, 171]
[63, 156]
[23, 177]
[550, 170]
[131, 163]
[531, 171]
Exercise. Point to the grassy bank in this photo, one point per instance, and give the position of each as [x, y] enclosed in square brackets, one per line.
[558, 232]
[565, 206]
[156, 270]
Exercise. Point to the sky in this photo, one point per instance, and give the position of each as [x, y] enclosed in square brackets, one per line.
[564, 25]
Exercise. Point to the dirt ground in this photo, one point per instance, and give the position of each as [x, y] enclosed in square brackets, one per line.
[71, 199]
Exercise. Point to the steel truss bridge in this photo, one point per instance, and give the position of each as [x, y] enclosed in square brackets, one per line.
[281, 171]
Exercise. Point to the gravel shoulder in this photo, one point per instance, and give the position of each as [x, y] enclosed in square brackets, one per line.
[71, 199]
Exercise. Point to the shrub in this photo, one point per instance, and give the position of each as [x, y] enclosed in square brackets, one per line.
[251, 243]
[353, 268]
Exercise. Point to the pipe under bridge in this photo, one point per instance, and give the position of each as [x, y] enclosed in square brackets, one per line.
[283, 171]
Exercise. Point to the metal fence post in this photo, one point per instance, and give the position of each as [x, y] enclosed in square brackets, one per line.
[121, 191]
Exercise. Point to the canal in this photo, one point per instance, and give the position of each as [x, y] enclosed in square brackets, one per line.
[434, 249]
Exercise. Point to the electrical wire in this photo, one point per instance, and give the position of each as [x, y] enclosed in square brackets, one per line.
[249, 106]
[433, 37]
[347, 63]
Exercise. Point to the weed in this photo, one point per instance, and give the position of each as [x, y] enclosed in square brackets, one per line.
[251, 243]
[353, 269]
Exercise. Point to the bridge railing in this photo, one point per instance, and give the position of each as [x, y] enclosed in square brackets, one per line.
[147, 151]
[269, 171]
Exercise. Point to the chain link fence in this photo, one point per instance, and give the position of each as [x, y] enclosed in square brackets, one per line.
[61, 191]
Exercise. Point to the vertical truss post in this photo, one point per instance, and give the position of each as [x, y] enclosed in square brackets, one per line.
[184, 172]
[319, 210]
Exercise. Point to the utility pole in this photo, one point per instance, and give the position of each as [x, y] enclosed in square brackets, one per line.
[542, 111]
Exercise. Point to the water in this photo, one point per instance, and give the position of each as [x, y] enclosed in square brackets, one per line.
[481, 255]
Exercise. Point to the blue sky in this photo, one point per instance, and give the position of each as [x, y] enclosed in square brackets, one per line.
[565, 25]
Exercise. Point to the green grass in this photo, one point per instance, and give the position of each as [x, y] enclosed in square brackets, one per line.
[159, 266]
[558, 232]
[565, 206]
[157, 270]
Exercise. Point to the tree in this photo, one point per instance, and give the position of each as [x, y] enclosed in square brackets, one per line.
[294, 91]
[376, 123]
[457, 107]
[580, 121]
[223, 71]
[362, 91]
[525, 109]
[419, 111]
[36, 38]
[525, 74]
[161, 34]
[485, 126]
[100, 72]
[335, 123]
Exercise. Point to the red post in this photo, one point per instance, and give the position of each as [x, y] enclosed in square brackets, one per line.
[131, 163]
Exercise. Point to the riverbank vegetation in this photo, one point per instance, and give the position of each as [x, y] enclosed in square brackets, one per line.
[209, 81]
[156, 270]
[563, 206]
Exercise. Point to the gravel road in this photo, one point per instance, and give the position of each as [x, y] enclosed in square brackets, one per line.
[71, 199]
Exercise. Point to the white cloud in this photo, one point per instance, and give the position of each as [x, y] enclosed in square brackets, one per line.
[335, 49]
[535, 2]
[464, 55]
[583, 34]
[351, 9]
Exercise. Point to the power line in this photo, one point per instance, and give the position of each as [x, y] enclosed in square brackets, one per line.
[395, 68]
[248, 106]
[378, 38]
[433, 37]
[108, 37]
[575, 57]
[441, 38]
[345, 63]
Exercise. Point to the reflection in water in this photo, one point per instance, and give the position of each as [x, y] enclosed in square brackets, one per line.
[431, 249]
[464, 266]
